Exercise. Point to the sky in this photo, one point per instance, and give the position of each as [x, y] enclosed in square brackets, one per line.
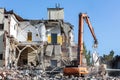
[104, 17]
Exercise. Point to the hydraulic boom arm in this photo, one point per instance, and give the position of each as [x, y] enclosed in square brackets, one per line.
[81, 68]
[82, 17]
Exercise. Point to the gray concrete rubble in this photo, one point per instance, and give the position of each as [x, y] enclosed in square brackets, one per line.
[38, 74]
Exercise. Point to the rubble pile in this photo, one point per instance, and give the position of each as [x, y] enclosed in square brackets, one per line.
[17, 74]
[39, 74]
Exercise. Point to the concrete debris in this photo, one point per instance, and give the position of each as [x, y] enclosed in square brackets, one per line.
[49, 50]
[14, 74]
[38, 74]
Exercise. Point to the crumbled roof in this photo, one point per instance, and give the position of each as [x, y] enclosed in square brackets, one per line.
[17, 16]
[46, 22]
[71, 26]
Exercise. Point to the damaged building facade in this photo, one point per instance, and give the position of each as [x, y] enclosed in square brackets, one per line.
[35, 42]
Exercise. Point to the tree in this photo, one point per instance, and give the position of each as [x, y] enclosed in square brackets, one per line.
[111, 54]
[87, 55]
[88, 58]
[84, 49]
[108, 57]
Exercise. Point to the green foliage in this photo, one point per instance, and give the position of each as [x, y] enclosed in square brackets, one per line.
[87, 55]
[108, 57]
[88, 58]
[84, 49]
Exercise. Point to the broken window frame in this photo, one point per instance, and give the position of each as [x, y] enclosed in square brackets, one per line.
[54, 38]
[1, 56]
[2, 26]
[29, 36]
[53, 63]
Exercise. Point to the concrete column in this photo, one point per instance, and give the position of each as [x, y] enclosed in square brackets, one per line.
[42, 57]
[70, 52]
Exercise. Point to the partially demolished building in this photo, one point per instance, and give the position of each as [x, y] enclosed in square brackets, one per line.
[42, 43]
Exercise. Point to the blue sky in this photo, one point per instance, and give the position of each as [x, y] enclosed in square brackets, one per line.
[104, 16]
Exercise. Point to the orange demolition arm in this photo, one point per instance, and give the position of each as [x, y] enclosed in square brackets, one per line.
[83, 17]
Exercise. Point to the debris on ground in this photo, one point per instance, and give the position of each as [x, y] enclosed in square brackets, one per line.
[39, 74]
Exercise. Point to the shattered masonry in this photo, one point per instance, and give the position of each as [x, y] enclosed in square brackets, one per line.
[38, 43]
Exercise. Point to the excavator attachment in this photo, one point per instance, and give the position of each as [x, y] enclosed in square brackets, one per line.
[79, 69]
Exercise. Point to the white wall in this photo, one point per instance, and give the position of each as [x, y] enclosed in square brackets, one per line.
[42, 31]
[54, 30]
[1, 15]
[13, 27]
[25, 27]
[56, 14]
[7, 52]
[1, 42]
[6, 24]
[71, 35]
[1, 46]
[4, 20]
